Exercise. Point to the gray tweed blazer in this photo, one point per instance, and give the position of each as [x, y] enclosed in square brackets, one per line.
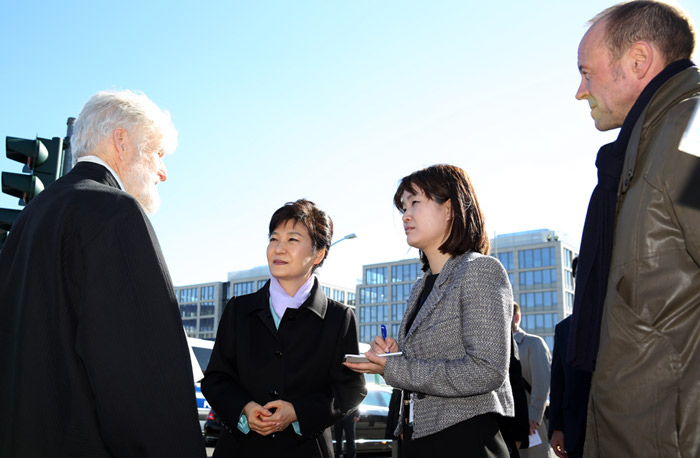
[456, 353]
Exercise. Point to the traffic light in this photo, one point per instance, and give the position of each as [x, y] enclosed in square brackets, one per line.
[43, 159]
[43, 164]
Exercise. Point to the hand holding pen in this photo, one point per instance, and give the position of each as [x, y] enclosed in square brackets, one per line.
[384, 344]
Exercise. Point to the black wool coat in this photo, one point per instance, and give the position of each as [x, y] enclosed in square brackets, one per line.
[94, 360]
[301, 362]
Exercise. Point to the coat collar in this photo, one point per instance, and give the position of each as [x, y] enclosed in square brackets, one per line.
[681, 85]
[95, 172]
[317, 301]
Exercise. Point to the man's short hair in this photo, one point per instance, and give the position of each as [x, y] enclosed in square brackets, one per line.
[516, 308]
[132, 111]
[659, 23]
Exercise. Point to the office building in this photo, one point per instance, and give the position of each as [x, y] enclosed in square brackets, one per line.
[201, 307]
[382, 296]
[538, 263]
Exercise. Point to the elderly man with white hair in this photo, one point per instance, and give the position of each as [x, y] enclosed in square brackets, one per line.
[94, 361]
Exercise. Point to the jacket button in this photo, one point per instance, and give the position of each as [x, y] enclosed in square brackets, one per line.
[278, 354]
[274, 394]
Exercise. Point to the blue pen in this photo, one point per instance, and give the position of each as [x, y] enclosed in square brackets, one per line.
[383, 327]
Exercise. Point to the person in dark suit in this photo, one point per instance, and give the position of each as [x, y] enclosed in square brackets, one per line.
[346, 427]
[455, 335]
[276, 376]
[568, 396]
[94, 360]
[568, 399]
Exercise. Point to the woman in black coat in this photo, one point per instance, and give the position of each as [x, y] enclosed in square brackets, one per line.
[276, 377]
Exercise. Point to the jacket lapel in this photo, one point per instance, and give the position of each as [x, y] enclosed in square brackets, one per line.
[433, 298]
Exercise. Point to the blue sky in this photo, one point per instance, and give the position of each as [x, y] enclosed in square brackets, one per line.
[334, 101]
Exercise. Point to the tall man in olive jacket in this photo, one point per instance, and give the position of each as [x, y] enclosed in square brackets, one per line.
[94, 360]
[645, 395]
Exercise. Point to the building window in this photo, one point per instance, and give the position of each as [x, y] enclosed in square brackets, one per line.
[506, 259]
[188, 310]
[569, 302]
[538, 299]
[539, 322]
[375, 276]
[326, 290]
[339, 295]
[395, 329]
[351, 298]
[206, 325]
[538, 279]
[190, 326]
[207, 293]
[568, 258]
[405, 272]
[397, 312]
[373, 313]
[373, 295]
[239, 289]
[261, 283]
[368, 332]
[207, 309]
[540, 257]
[188, 295]
[569, 279]
[549, 340]
[400, 293]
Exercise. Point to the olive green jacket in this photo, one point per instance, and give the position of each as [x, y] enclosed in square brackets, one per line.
[645, 396]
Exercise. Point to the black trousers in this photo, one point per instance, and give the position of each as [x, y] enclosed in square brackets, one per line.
[477, 437]
[347, 426]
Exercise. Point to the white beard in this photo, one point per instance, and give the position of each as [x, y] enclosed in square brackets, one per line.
[140, 183]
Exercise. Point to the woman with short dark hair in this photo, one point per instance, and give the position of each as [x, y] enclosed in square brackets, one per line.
[276, 377]
[455, 336]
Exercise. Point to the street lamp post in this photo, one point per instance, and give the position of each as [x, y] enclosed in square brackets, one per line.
[347, 237]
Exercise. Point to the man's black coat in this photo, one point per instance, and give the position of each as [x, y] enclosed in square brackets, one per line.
[93, 360]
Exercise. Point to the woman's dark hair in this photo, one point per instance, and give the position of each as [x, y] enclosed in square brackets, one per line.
[443, 183]
[319, 225]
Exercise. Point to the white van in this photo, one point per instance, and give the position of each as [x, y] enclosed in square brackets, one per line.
[201, 349]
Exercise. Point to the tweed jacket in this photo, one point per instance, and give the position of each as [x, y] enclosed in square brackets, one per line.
[456, 354]
[645, 394]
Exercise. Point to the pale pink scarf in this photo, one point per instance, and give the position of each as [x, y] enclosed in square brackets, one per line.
[282, 301]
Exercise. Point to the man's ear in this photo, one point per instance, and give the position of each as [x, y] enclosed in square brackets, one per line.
[641, 57]
[120, 140]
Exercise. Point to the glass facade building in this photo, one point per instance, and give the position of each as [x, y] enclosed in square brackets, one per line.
[201, 307]
[383, 296]
[538, 263]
